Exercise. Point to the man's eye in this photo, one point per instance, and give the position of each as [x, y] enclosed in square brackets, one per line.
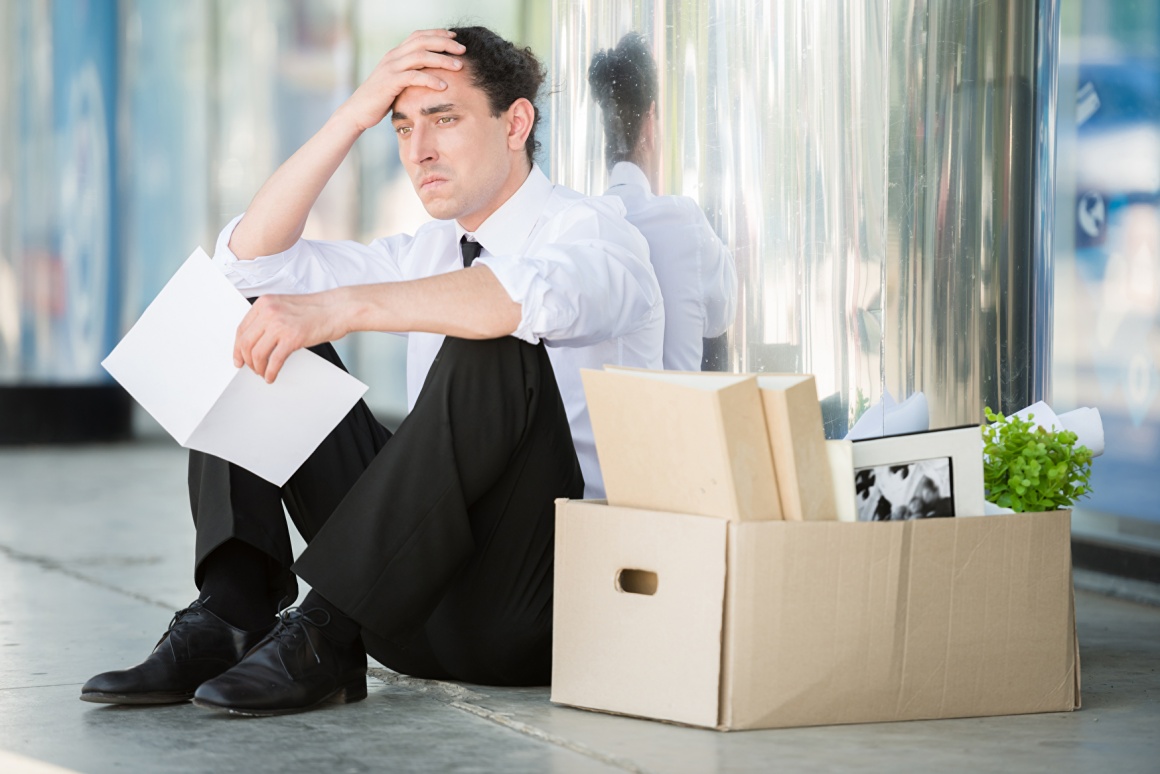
[445, 119]
[403, 130]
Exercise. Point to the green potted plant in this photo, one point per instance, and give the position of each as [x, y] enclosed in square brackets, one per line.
[1027, 468]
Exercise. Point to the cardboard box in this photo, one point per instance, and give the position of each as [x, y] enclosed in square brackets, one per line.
[683, 442]
[769, 624]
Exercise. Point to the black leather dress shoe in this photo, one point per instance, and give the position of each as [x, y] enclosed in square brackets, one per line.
[197, 646]
[294, 669]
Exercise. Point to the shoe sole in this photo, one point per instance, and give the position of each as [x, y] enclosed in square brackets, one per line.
[345, 695]
[136, 698]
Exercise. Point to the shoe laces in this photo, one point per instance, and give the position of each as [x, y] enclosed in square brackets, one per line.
[194, 607]
[291, 623]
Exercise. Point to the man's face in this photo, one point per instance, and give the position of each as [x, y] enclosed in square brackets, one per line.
[454, 150]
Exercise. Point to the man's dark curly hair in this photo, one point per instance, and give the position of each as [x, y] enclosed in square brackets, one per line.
[504, 73]
[624, 84]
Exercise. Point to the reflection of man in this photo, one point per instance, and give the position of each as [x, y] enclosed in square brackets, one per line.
[434, 546]
[694, 269]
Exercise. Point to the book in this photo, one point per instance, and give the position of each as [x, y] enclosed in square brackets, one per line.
[691, 443]
[797, 440]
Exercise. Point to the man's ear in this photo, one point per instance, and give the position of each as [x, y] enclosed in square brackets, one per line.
[520, 117]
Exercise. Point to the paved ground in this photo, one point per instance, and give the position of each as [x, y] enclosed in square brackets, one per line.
[95, 545]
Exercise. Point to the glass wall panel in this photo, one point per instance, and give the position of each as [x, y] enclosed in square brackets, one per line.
[59, 284]
[165, 142]
[1107, 319]
[870, 165]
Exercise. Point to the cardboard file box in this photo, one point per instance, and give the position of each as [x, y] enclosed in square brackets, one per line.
[768, 624]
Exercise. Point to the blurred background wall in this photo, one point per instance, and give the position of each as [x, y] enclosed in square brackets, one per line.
[958, 198]
[132, 130]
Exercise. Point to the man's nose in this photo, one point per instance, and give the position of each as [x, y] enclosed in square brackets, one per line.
[421, 147]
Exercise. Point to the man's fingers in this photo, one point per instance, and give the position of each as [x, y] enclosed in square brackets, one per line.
[429, 36]
[253, 328]
[430, 33]
[271, 331]
[243, 339]
[419, 60]
[420, 78]
[277, 360]
[260, 353]
[436, 45]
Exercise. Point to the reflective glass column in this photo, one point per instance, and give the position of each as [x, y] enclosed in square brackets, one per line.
[870, 164]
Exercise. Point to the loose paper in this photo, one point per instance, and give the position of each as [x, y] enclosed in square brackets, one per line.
[177, 362]
[889, 418]
[1084, 422]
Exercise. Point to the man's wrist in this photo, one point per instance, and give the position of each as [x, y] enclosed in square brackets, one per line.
[358, 307]
[344, 121]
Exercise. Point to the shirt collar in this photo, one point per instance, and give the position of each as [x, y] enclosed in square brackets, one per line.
[627, 173]
[507, 229]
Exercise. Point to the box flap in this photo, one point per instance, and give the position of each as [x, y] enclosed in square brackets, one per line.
[810, 606]
[1074, 631]
[627, 642]
[846, 623]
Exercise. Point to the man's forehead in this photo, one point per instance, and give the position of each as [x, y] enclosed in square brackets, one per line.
[460, 93]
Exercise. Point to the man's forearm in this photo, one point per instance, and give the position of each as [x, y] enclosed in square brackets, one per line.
[469, 304]
[276, 217]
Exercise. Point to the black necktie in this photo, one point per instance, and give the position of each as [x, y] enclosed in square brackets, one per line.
[469, 249]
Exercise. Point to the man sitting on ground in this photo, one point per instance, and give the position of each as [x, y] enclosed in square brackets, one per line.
[432, 548]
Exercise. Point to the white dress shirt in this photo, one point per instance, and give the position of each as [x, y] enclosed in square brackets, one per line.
[579, 271]
[695, 270]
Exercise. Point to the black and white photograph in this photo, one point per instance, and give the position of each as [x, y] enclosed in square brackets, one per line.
[922, 489]
[930, 474]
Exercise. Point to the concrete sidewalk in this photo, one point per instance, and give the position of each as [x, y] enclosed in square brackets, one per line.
[95, 552]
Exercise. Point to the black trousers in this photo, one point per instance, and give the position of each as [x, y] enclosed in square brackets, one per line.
[437, 540]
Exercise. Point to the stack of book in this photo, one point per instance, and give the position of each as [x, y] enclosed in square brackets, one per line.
[738, 447]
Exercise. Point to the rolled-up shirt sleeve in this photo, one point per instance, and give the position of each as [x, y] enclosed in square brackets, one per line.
[310, 266]
[587, 279]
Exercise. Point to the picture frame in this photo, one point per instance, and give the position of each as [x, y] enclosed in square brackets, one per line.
[932, 474]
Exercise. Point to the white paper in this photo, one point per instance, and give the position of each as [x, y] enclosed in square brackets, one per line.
[1084, 422]
[177, 362]
[1088, 425]
[889, 418]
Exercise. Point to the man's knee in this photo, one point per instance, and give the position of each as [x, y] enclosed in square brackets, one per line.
[484, 355]
[503, 374]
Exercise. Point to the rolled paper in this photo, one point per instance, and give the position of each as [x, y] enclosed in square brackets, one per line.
[1043, 415]
[1088, 425]
[990, 509]
[873, 420]
[1084, 422]
[910, 416]
[889, 418]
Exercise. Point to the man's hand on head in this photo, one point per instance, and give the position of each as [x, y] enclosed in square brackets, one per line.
[277, 326]
[410, 64]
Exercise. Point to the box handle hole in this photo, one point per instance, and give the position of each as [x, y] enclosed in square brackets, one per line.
[637, 582]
